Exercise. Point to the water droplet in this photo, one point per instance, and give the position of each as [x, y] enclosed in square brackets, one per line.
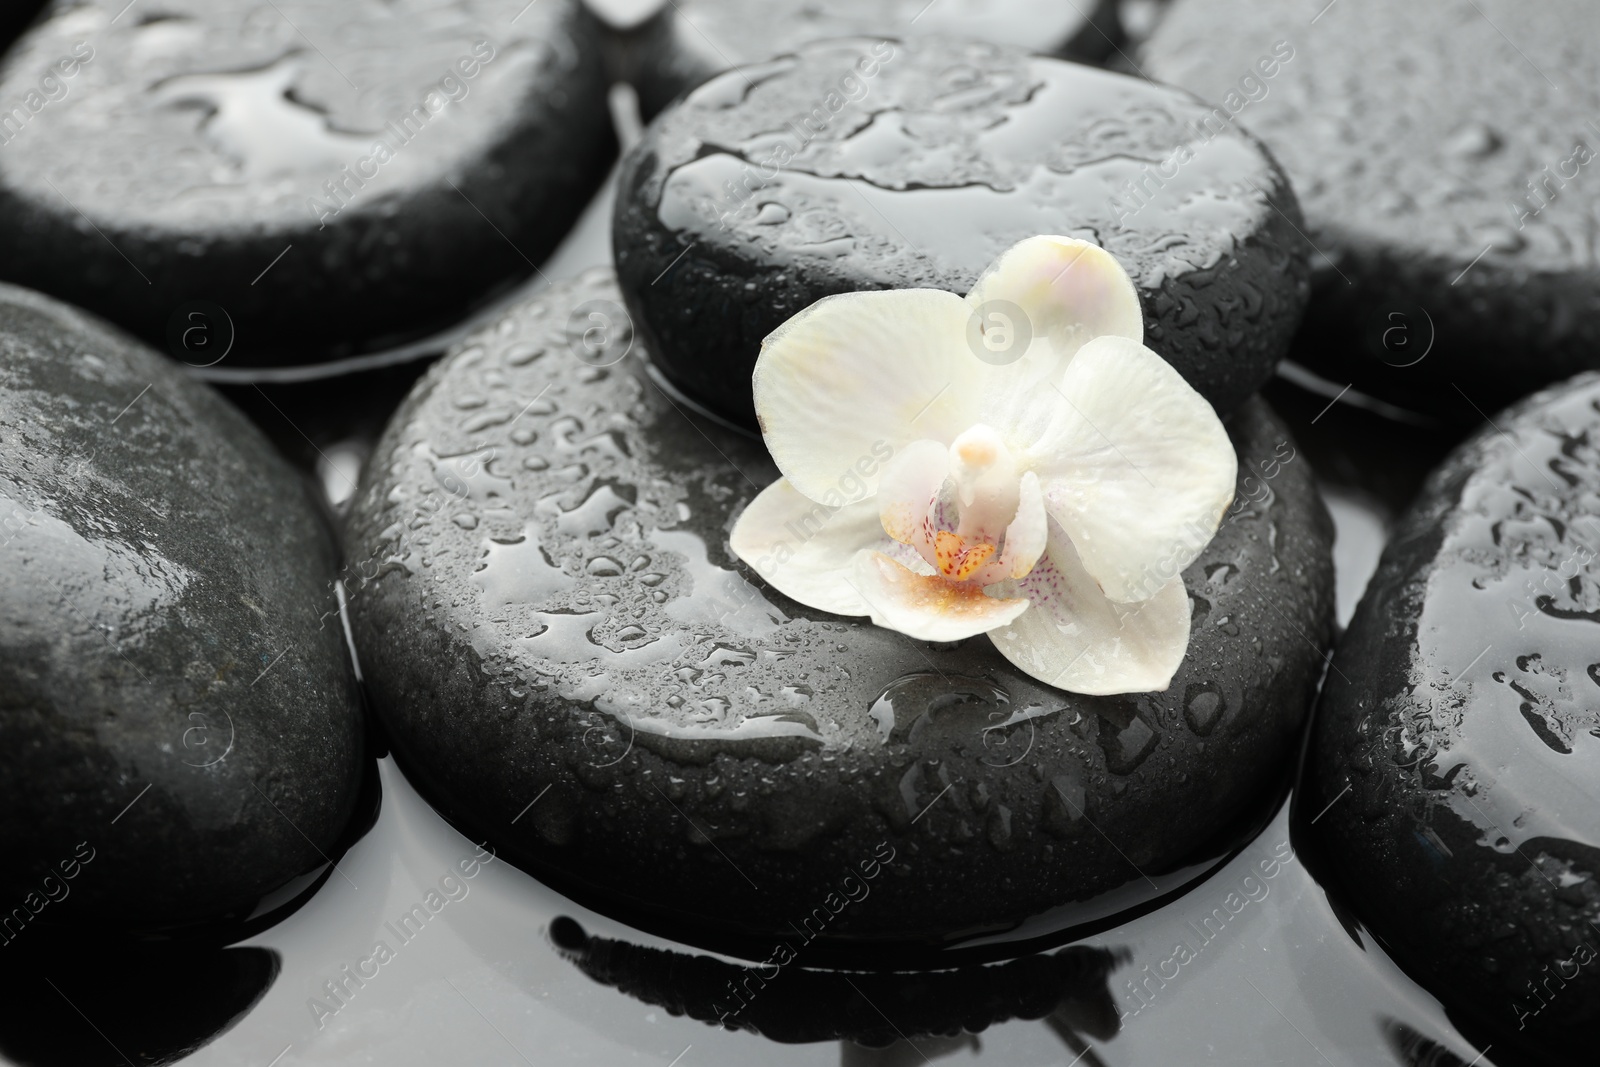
[1203, 706]
[999, 828]
[1473, 140]
[941, 710]
[725, 655]
[522, 353]
[1126, 744]
[594, 514]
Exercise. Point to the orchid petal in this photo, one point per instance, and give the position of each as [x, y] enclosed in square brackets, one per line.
[1074, 638]
[928, 607]
[853, 379]
[1025, 537]
[1135, 466]
[1068, 291]
[909, 493]
[807, 551]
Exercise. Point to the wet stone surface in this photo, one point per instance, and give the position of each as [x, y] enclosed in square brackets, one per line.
[768, 189]
[689, 41]
[569, 662]
[375, 147]
[1452, 186]
[16, 17]
[179, 724]
[1458, 736]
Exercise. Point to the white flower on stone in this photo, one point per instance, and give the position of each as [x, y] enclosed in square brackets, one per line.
[1049, 495]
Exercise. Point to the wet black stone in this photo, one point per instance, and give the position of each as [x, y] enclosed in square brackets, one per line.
[15, 18]
[1413, 170]
[689, 41]
[195, 143]
[570, 663]
[1458, 735]
[955, 152]
[179, 723]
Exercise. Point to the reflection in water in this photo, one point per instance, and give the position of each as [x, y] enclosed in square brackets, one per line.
[1414, 1050]
[905, 1053]
[483, 975]
[124, 1004]
[1070, 989]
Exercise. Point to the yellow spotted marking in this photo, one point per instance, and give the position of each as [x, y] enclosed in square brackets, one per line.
[957, 560]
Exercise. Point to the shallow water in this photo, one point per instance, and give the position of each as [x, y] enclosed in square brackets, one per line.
[1252, 966]
[1243, 968]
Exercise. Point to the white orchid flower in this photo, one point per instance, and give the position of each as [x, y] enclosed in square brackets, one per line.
[1048, 492]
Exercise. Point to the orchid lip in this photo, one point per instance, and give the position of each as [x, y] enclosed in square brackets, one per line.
[977, 484]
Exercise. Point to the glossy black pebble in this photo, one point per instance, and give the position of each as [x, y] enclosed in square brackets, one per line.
[292, 181]
[1450, 188]
[767, 189]
[16, 17]
[1458, 735]
[570, 663]
[180, 731]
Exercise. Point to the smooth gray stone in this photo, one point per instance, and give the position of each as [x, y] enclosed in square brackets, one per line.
[223, 157]
[569, 662]
[686, 42]
[1449, 187]
[180, 729]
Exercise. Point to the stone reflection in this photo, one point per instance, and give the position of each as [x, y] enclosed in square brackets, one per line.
[883, 1018]
[124, 1003]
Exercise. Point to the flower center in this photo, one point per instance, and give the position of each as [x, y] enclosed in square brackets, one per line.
[986, 484]
[954, 506]
[956, 559]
